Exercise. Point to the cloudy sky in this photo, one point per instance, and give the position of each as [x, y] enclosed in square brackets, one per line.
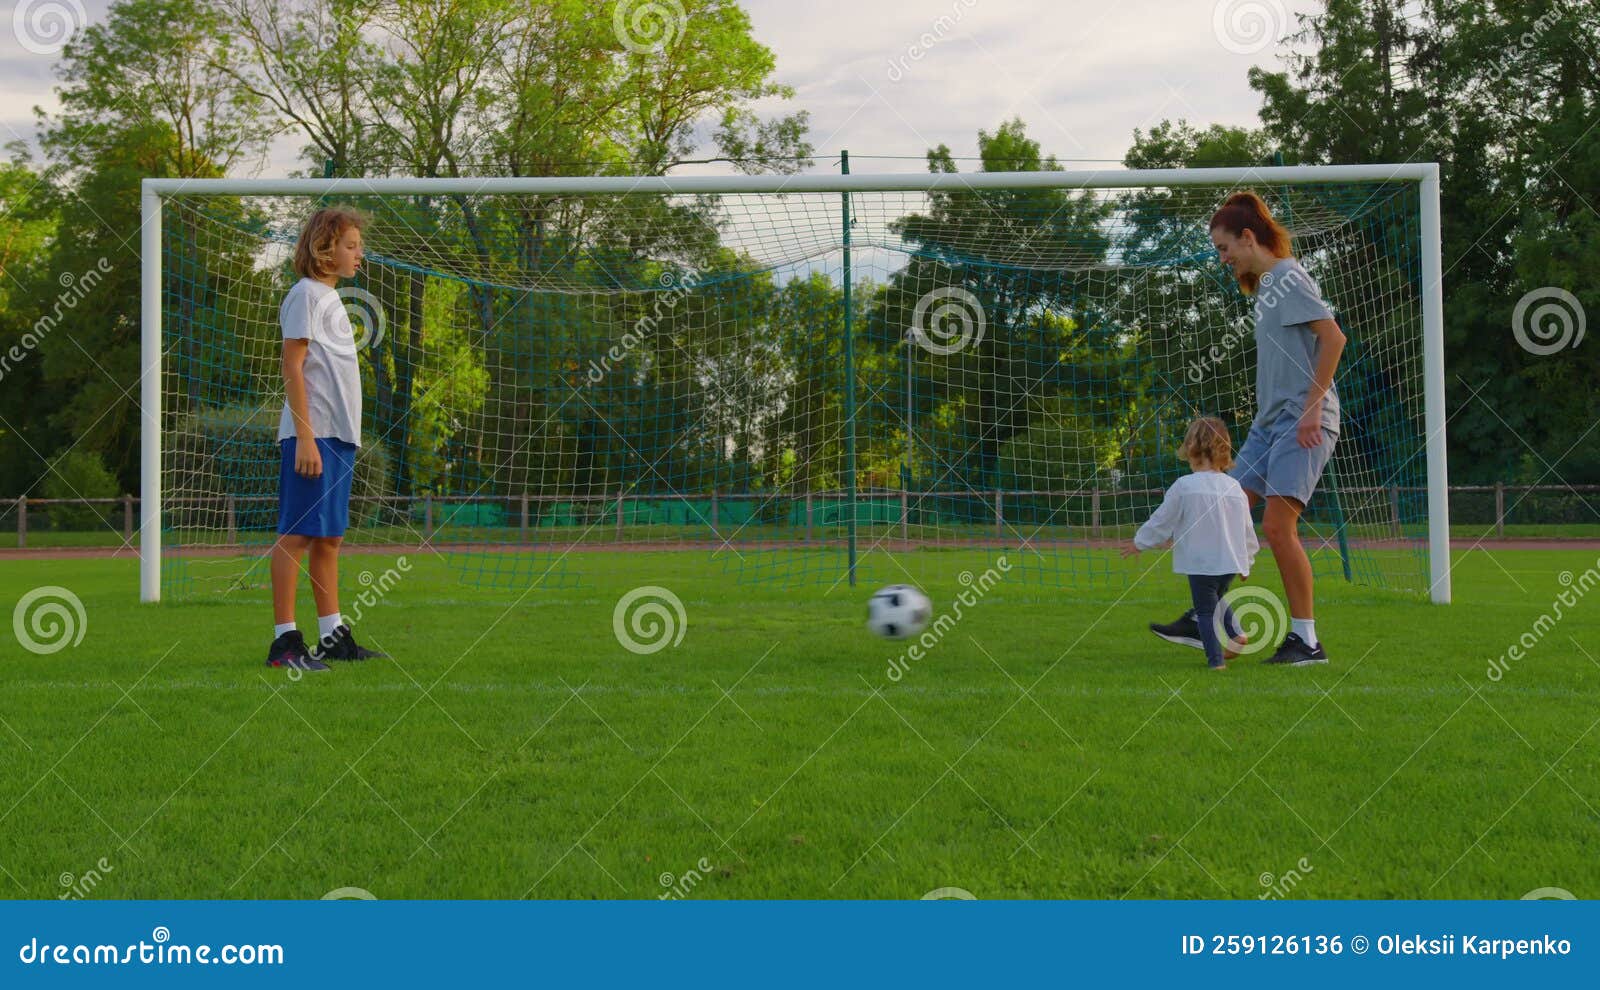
[896, 77]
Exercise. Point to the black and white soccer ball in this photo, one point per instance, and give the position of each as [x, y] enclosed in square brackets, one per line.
[898, 611]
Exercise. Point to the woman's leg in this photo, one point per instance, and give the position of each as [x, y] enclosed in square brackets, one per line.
[1281, 526]
[286, 553]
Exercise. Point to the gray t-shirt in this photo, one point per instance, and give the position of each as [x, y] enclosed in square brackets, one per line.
[314, 310]
[1287, 302]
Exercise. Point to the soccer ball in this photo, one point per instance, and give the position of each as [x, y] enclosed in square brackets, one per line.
[898, 611]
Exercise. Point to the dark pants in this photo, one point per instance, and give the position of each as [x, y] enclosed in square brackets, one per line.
[1206, 591]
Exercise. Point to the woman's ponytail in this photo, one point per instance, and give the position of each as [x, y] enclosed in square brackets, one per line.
[1246, 211]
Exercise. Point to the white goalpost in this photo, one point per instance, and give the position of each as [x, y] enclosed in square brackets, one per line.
[773, 368]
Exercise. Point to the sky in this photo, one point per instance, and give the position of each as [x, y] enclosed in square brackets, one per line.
[1082, 74]
[897, 77]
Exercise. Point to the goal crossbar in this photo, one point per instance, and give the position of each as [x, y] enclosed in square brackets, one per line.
[854, 182]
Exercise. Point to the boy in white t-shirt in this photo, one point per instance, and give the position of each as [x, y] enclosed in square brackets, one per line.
[318, 435]
[1206, 516]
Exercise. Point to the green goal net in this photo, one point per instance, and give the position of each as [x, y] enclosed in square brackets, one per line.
[797, 383]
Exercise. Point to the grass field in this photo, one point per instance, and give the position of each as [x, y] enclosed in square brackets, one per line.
[1046, 746]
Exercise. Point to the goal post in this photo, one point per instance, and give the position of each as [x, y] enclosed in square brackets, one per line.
[150, 365]
[1433, 388]
[639, 362]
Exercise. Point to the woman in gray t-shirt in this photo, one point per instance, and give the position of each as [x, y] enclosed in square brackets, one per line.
[1298, 344]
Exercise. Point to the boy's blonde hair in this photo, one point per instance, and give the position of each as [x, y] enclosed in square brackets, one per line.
[313, 253]
[1208, 440]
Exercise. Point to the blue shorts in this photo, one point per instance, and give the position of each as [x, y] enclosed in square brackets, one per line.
[317, 506]
[1272, 462]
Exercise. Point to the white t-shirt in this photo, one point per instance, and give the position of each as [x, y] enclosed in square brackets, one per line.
[314, 311]
[1207, 517]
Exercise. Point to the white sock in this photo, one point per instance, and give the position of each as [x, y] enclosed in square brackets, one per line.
[328, 623]
[281, 628]
[1306, 629]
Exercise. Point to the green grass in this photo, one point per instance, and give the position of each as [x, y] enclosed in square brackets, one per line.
[514, 748]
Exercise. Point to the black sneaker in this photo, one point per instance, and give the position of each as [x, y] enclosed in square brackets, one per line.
[289, 650]
[1184, 631]
[1295, 653]
[341, 645]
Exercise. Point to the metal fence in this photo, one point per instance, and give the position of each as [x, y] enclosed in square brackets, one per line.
[114, 521]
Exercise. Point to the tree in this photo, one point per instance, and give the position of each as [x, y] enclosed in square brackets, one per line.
[78, 474]
[1503, 95]
[29, 215]
[158, 66]
[308, 60]
[1201, 308]
[1178, 145]
[471, 87]
[1021, 260]
[141, 95]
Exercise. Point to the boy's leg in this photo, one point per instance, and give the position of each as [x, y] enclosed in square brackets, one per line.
[325, 574]
[335, 641]
[286, 553]
[1203, 593]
